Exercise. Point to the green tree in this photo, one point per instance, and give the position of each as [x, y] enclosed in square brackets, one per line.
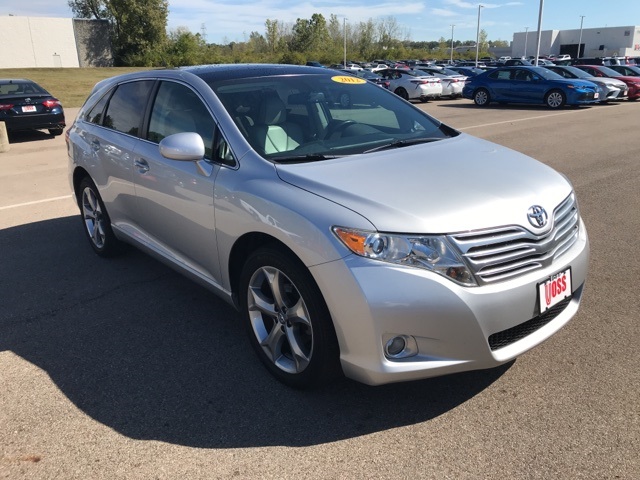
[138, 27]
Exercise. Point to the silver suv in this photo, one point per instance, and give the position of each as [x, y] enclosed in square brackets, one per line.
[361, 237]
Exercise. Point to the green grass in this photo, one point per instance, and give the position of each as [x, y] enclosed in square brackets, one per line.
[69, 85]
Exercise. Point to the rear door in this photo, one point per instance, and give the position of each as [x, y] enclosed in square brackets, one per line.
[110, 131]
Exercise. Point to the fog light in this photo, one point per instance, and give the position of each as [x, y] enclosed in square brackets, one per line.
[395, 346]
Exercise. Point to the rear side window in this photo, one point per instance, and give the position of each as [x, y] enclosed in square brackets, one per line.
[500, 75]
[126, 107]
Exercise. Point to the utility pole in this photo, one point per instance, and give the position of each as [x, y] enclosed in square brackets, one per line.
[580, 40]
[478, 35]
[526, 34]
[451, 60]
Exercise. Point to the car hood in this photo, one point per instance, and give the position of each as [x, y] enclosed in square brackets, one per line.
[452, 185]
[608, 81]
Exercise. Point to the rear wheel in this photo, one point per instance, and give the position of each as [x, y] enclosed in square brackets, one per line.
[481, 97]
[97, 225]
[555, 99]
[287, 320]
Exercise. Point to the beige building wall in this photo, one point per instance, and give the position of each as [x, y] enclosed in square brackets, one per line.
[27, 42]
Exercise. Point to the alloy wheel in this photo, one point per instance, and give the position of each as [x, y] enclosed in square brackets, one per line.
[280, 320]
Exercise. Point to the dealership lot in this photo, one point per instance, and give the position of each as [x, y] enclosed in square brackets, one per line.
[124, 369]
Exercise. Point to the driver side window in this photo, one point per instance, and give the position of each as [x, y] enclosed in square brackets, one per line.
[178, 109]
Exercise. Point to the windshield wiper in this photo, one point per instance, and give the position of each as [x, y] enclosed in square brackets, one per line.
[403, 143]
[309, 157]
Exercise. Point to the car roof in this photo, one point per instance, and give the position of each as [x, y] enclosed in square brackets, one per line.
[235, 71]
[16, 80]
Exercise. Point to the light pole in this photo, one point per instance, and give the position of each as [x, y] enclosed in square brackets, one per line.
[539, 31]
[451, 60]
[526, 34]
[344, 28]
[478, 36]
[580, 40]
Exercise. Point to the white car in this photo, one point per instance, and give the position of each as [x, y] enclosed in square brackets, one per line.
[452, 81]
[411, 86]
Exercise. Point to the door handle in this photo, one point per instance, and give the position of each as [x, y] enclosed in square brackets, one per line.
[141, 164]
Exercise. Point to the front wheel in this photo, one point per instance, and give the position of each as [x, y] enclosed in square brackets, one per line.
[555, 99]
[402, 93]
[287, 320]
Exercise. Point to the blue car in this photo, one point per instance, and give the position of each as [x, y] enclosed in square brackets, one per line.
[525, 84]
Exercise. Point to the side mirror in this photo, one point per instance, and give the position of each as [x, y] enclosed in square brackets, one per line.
[186, 147]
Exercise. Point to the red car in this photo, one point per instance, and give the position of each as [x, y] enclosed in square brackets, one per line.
[599, 71]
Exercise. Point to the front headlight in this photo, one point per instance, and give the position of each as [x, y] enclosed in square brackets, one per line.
[431, 252]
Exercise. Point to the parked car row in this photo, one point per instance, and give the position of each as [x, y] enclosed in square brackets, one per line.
[554, 86]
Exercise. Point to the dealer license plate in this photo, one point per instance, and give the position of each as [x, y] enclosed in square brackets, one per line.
[596, 95]
[29, 108]
[554, 290]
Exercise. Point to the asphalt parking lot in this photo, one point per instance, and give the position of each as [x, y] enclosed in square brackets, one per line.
[123, 369]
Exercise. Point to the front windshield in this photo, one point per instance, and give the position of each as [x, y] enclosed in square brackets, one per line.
[609, 72]
[547, 74]
[578, 73]
[317, 116]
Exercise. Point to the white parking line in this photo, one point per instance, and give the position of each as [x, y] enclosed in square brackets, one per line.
[518, 120]
[46, 200]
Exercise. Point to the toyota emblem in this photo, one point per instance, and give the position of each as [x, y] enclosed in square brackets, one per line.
[537, 216]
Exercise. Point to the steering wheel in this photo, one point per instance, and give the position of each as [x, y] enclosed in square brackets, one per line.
[337, 126]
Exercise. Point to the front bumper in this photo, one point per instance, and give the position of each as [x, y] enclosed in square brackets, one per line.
[372, 302]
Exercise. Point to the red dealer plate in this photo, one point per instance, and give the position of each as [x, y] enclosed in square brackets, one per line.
[29, 108]
[554, 290]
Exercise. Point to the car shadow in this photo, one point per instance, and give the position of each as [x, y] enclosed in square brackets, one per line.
[148, 353]
[23, 136]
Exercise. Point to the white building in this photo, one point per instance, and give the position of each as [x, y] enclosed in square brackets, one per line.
[595, 42]
[29, 42]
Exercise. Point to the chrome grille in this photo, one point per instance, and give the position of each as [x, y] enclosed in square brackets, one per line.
[499, 254]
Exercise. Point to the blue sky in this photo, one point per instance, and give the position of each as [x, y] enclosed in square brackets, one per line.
[234, 20]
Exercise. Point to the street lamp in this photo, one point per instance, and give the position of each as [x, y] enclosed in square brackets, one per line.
[344, 29]
[539, 31]
[526, 34]
[451, 61]
[478, 35]
[580, 40]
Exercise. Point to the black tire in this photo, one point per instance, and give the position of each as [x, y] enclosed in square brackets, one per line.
[54, 132]
[402, 93]
[555, 99]
[481, 97]
[96, 221]
[344, 100]
[287, 320]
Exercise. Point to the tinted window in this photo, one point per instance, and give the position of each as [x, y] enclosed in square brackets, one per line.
[95, 114]
[126, 107]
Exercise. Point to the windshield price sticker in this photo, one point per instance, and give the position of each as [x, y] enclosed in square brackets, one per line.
[554, 290]
[348, 79]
